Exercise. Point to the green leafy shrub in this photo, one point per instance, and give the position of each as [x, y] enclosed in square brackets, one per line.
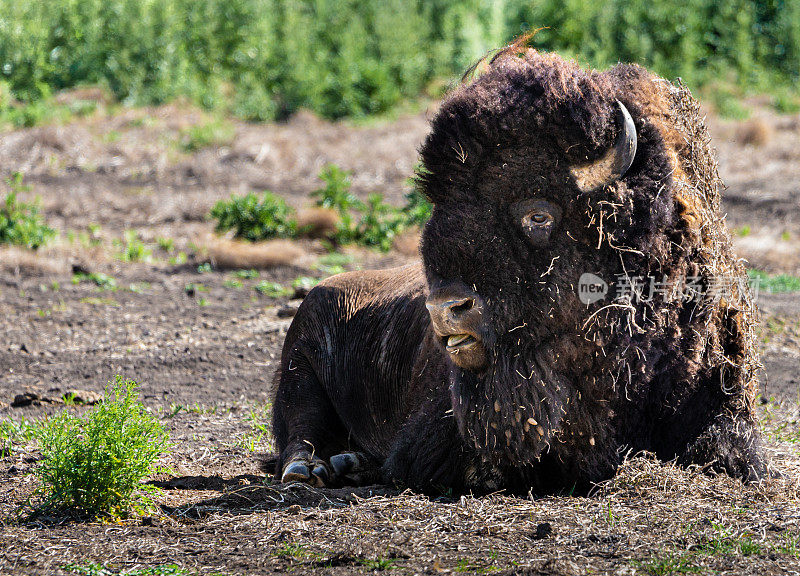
[95, 464]
[20, 222]
[255, 219]
[373, 223]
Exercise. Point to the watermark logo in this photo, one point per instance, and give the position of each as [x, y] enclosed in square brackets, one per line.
[591, 288]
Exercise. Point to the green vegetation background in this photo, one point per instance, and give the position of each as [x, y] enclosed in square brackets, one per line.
[263, 59]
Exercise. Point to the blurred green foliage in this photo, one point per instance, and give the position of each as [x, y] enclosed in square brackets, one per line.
[263, 59]
[373, 223]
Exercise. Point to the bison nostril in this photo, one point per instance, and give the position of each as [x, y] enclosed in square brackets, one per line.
[461, 306]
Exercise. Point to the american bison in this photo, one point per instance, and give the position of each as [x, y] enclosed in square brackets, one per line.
[485, 367]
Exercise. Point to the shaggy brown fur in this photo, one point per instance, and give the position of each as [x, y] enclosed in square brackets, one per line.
[568, 388]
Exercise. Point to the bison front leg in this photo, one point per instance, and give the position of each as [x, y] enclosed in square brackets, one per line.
[731, 444]
[307, 429]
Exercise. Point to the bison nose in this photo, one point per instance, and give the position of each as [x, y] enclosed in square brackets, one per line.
[455, 309]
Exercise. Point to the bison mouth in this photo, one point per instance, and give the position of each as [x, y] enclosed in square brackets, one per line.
[466, 351]
[455, 343]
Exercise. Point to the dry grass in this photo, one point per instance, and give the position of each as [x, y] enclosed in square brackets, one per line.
[317, 222]
[407, 243]
[24, 262]
[754, 132]
[651, 518]
[232, 254]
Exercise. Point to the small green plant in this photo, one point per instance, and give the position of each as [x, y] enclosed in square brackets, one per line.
[669, 564]
[246, 274]
[259, 438]
[133, 249]
[177, 259]
[255, 219]
[95, 464]
[304, 282]
[101, 280]
[95, 301]
[232, 283]
[213, 133]
[743, 231]
[786, 236]
[204, 268]
[193, 288]
[273, 289]
[21, 223]
[14, 434]
[166, 244]
[91, 569]
[378, 564]
[291, 551]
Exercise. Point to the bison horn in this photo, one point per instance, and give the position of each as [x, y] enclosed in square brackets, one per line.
[614, 163]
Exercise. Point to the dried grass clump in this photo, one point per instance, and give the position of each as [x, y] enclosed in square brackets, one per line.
[317, 222]
[407, 242]
[24, 262]
[233, 254]
[754, 132]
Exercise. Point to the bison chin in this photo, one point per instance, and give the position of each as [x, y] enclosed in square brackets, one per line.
[511, 411]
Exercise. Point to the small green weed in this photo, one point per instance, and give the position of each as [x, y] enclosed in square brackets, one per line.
[95, 301]
[101, 280]
[21, 223]
[259, 438]
[177, 259]
[91, 569]
[378, 564]
[95, 463]
[246, 274]
[273, 289]
[166, 244]
[304, 282]
[743, 231]
[669, 564]
[213, 133]
[132, 249]
[14, 434]
[293, 551]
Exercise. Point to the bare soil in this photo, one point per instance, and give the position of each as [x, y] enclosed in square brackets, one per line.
[204, 345]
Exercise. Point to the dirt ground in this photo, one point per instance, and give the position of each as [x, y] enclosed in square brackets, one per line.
[203, 343]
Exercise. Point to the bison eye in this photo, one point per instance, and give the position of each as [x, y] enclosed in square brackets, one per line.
[536, 219]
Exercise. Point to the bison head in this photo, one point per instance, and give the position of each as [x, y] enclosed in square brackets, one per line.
[540, 171]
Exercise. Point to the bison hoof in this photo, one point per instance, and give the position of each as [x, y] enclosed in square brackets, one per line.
[314, 472]
[353, 468]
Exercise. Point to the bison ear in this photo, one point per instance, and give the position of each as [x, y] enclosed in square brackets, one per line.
[614, 163]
